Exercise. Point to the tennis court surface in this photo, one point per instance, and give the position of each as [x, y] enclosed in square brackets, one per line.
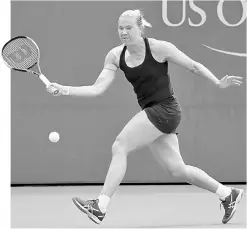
[144, 206]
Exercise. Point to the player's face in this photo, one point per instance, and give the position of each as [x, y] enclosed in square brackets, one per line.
[128, 30]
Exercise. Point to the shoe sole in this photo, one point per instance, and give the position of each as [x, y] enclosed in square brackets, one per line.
[240, 195]
[84, 210]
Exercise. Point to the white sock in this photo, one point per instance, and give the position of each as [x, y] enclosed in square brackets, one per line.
[223, 191]
[104, 200]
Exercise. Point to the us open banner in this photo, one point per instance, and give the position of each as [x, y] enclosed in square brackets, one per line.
[221, 6]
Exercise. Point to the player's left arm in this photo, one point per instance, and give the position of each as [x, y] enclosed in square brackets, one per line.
[174, 55]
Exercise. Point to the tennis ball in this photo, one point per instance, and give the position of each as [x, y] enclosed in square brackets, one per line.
[54, 137]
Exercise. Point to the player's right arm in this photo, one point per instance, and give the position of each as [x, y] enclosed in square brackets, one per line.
[103, 82]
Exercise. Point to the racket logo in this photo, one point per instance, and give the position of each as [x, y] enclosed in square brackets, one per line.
[24, 52]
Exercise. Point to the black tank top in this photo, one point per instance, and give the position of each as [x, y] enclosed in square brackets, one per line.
[150, 80]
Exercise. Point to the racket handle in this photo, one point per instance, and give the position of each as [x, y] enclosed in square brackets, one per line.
[44, 80]
[47, 83]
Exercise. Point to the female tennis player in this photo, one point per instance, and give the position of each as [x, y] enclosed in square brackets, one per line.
[145, 64]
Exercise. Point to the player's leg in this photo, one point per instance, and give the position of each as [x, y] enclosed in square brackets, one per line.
[166, 151]
[138, 132]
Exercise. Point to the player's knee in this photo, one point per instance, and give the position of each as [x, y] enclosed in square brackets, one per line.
[178, 170]
[118, 147]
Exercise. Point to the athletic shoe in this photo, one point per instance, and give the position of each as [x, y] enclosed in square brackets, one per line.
[230, 203]
[91, 208]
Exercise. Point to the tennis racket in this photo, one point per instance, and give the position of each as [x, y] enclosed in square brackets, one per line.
[21, 53]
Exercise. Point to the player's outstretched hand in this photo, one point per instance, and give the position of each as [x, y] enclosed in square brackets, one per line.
[62, 90]
[227, 81]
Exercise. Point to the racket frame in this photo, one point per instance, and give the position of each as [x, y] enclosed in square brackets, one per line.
[28, 69]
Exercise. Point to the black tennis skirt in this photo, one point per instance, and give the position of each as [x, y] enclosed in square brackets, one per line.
[165, 115]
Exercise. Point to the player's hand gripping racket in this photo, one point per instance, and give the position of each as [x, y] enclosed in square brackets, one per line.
[22, 54]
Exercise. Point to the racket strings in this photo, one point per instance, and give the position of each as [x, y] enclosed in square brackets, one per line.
[20, 53]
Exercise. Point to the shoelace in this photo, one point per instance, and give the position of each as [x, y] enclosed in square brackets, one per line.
[90, 204]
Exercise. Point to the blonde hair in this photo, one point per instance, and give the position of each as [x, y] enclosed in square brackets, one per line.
[140, 20]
